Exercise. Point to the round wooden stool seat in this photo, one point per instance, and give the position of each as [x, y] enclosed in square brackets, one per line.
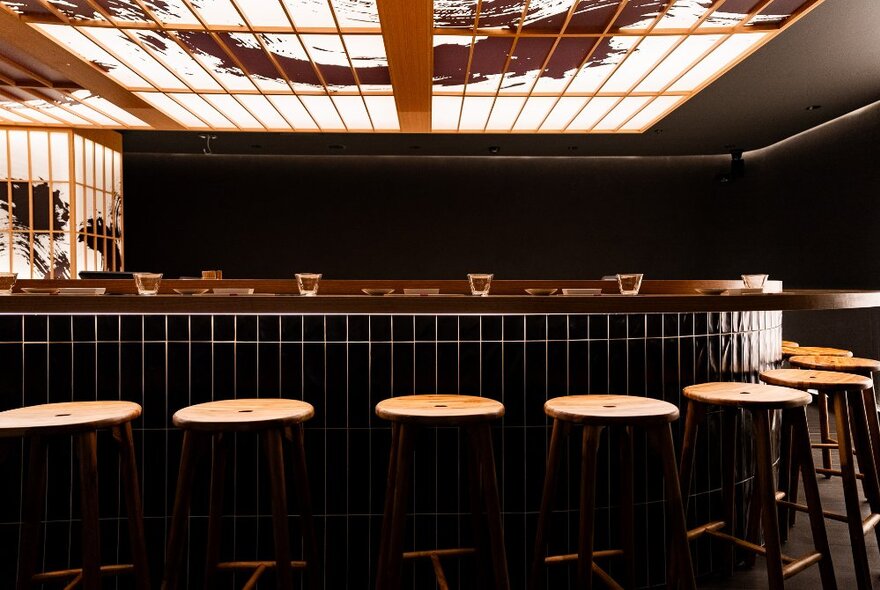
[789, 351]
[824, 381]
[243, 415]
[610, 409]
[835, 363]
[65, 417]
[439, 409]
[747, 395]
[790, 344]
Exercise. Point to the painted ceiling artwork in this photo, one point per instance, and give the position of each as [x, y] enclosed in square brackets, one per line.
[577, 66]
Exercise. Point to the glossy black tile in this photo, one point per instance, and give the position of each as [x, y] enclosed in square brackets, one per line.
[154, 328]
[11, 327]
[107, 327]
[223, 328]
[358, 328]
[245, 328]
[536, 327]
[425, 328]
[336, 328]
[36, 328]
[617, 326]
[269, 328]
[60, 327]
[514, 327]
[468, 327]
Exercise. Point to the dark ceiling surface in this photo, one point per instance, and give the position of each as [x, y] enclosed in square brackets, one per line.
[830, 58]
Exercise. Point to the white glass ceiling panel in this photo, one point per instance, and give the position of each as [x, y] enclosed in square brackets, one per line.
[677, 62]
[323, 112]
[450, 59]
[219, 12]
[353, 112]
[11, 115]
[85, 48]
[504, 112]
[293, 110]
[233, 110]
[356, 13]
[264, 13]
[172, 11]
[639, 63]
[108, 107]
[271, 81]
[90, 114]
[621, 113]
[34, 114]
[326, 49]
[204, 111]
[263, 110]
[310, 13]
[651, 112]
[117, 43]
[178, 60]
[563, 112]
[366, 51]
[725, 54]
[475, 112]
[172, 109]
[533, 113]
[601, 66]
[592, 113]
[383, 112]
[445, 111]
[684, 14]
[288, 47]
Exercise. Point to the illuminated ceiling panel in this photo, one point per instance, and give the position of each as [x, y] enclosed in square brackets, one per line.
[518, 66]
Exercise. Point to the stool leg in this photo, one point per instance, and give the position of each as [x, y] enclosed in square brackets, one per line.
[767, 497]
[824, 431]
[133, 506]
[385, 538]
[695, 414]
[215, 509]
[483, 438]
[87, 449]
[873, 425]
[304, 502]
[546, 505]
[785, 484]
[589, 448]
[478, 523]
[793, 474]
[678, 540]
[864, 452]
[275, 463]
[803, 451]
[729, 436]
[626, 507]
[34, 503]
[850, 492]
[402, 483]
[192, 443]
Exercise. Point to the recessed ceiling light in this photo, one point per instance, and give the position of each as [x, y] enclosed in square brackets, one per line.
[572, 148]
[257, 146]
[415, 147]
[814, 107]
[494, 149]
[658, 131]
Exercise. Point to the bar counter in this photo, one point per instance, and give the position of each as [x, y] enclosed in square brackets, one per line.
[343, 353]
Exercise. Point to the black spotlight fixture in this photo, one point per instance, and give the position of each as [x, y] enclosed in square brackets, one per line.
[737, 167]
[814, 107]
[494, 149]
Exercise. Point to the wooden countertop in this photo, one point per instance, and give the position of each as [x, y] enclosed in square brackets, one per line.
[278, 297]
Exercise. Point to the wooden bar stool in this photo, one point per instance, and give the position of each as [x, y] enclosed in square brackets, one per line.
[407, 414]
[826, 442]
[274, 420]
[759, 400]
[790, 344]
[595, 413]
[851, 420]
[81, 420]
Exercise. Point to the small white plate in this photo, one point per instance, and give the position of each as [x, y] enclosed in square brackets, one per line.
[233, 291]
[39, 291]
[421, 291]
[542, 292]
[190, 291]
[378, 291]
[711, 291]
[745, 291]
[582, 291]
[82, 291]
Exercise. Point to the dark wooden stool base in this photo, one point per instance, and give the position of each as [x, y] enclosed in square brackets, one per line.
[760, 401]
[596, 413]
[81, 420]
[473, 415]
[201, 435]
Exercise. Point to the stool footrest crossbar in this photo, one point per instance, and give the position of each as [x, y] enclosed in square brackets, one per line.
[106, 570]
[802, 508]
[553, 559]
[434, 555]
[835, 472]
[792, 565]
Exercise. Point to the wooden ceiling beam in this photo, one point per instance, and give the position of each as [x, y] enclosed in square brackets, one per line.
[27, 39]
[406, 29]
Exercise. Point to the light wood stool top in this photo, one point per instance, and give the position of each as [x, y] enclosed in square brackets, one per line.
[747, 395]
[439, 409]
[789, 351]
[66, 417]
[834, 363]
[610, 409]
[242, 415]
[790, 344]
[825, 381]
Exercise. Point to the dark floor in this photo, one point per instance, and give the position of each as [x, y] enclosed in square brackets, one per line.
[800, 542]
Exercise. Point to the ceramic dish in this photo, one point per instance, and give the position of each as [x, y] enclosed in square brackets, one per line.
[82, 291]
[541, 291]
[421, 291]
[711, 291]
[378, 291]
[745, 291]
[582, 291]
[230, 291]
[190, 291]
[39, 291]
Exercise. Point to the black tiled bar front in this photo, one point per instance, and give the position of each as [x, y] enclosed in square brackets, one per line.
[344, 365]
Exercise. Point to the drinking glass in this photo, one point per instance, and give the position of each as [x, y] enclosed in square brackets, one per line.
[754, 281]
[480, 283]
[7, 281]
[147, 283]
[308, 283]
[629, 284]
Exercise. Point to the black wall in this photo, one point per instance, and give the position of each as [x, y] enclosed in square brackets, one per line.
[805, 212]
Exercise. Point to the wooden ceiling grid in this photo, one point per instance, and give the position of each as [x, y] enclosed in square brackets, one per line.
[258, 85]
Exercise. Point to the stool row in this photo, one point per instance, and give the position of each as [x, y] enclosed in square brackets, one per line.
[208, 429]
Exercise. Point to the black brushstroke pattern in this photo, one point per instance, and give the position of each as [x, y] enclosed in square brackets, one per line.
[49, 213]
